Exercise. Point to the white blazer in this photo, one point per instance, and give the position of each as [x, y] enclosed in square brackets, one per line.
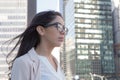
[26, 67]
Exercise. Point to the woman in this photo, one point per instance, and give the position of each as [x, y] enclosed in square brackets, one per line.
[34, 60]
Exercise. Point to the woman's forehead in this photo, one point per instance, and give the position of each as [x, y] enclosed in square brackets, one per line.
[58, 19]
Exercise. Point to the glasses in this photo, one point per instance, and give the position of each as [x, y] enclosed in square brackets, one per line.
[61, 28]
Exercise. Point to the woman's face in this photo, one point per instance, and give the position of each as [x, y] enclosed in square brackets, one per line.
[54, 34]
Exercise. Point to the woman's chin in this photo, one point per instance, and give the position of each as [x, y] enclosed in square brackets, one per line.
[58, 45]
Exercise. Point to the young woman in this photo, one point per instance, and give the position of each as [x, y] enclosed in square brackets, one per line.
[34, 60]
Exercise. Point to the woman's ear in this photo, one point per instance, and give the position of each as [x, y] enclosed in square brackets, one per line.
[40, 30]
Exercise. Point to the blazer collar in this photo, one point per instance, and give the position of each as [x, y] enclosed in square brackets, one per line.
[33, 55]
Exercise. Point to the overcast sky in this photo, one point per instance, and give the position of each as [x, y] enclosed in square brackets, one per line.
[47, 5]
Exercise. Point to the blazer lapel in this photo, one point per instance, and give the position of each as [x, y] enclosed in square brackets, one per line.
[35, 64]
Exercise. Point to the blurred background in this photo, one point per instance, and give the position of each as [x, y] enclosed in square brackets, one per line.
[91, 49]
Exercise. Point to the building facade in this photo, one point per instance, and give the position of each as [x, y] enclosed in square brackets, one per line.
[15, 15]
[116, 25]
[89, 42]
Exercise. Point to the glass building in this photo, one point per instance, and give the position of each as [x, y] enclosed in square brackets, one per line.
[89, 43]
[15, 15]
[116, 25]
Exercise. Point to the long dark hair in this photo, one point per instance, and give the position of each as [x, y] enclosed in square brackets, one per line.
[30, 37]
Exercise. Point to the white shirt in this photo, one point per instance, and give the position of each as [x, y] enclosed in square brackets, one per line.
[48, 72]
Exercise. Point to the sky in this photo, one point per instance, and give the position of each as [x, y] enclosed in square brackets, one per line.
[43, 5]
[47, 5]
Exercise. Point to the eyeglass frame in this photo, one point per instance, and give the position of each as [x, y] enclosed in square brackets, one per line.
[57, 25]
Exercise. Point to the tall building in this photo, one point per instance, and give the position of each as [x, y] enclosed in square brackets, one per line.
[15, 15]
[89, 51]
[116, 25]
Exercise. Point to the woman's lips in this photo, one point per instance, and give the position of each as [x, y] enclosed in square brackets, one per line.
[61, 39]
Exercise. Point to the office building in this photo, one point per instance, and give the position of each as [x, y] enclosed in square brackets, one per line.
[116, 25]
[15, 15]
[89, 51]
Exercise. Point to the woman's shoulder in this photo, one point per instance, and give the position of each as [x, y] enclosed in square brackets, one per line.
[23, 59]
[28, 58]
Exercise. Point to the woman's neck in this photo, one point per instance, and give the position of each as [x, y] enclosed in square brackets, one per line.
[44, 50]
